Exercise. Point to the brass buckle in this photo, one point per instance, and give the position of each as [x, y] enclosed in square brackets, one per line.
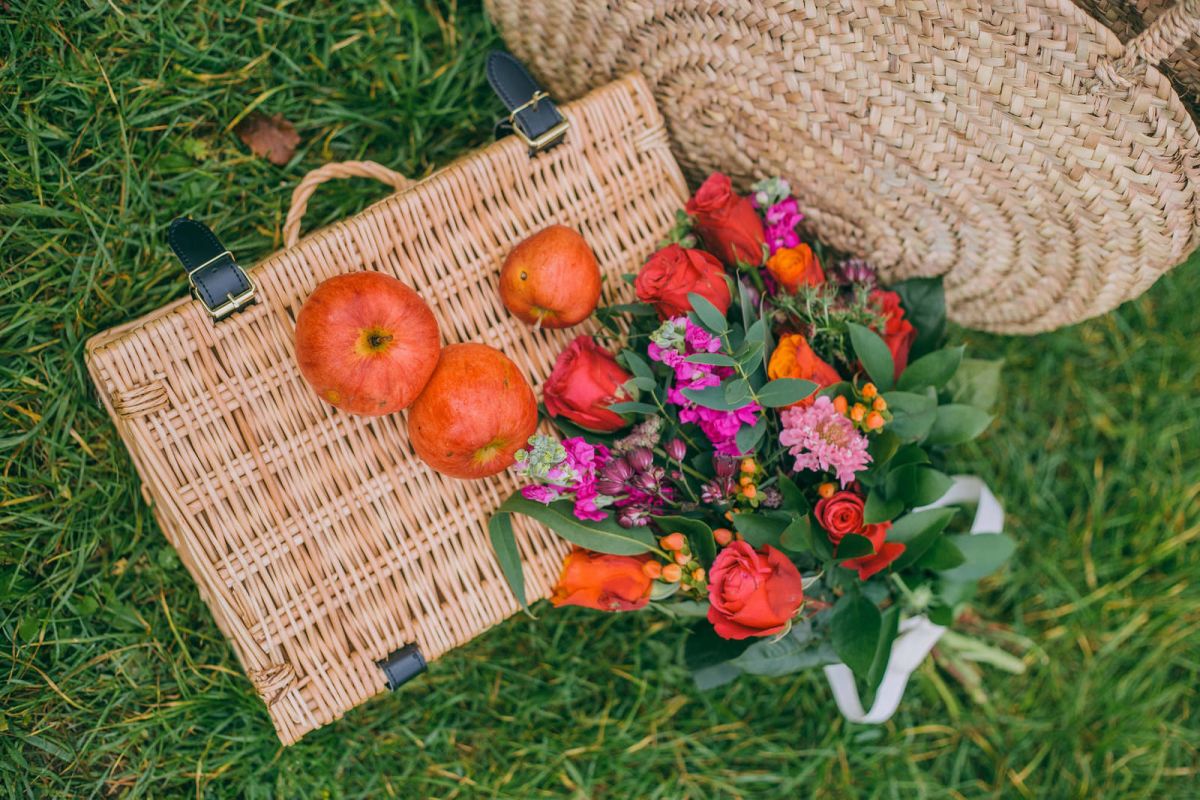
[546, 138]
[232, 303]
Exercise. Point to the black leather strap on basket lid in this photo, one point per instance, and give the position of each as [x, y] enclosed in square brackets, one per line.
[532, 115]
[216, 278]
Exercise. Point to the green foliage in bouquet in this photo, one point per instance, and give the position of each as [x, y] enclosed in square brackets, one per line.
[770, 484]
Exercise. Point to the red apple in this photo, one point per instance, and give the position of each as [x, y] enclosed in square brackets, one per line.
[366, 343]
[476, 412]
[551, 279]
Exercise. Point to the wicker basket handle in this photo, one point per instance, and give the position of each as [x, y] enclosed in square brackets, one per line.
[1162, 37]
[338, 169]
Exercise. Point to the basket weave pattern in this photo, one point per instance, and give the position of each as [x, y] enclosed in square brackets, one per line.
[967, 138]
[317, 538]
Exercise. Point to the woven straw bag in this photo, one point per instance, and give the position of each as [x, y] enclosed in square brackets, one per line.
[1129, 19]
[321, 544]
[1014, 146]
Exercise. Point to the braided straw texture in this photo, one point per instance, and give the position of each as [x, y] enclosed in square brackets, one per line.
[317, 538]
[961, 138]
[1129, 18]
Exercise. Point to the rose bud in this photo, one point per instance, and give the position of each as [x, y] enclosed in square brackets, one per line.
[673, 272]
[640, 459]
[839, 514]
[752, 593]
[585, 381]
[727, 222]
[603, 582]
[676, 449]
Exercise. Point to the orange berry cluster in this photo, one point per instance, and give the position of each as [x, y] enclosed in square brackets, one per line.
[683, 567]
[869, 411]
[748, 482]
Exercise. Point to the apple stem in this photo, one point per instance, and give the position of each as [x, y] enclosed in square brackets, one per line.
[378, 340]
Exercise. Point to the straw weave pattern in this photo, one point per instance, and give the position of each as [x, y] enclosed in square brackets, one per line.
[317, 538]
[967, 138]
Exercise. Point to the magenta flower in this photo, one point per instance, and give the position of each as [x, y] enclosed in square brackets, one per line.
[567, 469]
[782, 219]
[822, 440]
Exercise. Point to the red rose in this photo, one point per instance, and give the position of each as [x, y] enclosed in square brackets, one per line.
[673, 272]
[603, 582]
[839, 514]
[726, 222]
[898, 332]
[885, 552]
[752, 593]
[585, 381]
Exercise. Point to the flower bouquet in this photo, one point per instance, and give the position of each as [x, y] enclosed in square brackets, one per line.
[754, 448]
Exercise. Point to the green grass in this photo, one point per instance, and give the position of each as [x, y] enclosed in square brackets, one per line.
[114, 680]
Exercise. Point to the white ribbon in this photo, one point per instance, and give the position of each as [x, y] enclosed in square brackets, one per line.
[917, 634]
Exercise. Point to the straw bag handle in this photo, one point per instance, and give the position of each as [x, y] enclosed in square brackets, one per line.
[338, 169]
[1161, 38]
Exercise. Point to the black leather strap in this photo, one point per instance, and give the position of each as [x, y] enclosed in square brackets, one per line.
[402, 665]
[217, 280]
[538, 122]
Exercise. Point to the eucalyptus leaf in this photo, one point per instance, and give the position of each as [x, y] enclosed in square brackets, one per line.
[764, 527]
[603, 537]
[748, 436]
[633, 407]
[977, 383]
[874, 355]
[785, 391]
[709, 315]
[783, 656]
[711, 359]
[710, 397]
[983, 554]
[636, 364]
[855, 630]
[854, 545]
[737, 393]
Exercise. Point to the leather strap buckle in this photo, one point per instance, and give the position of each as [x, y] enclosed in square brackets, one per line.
[217, 280]
[532, 115]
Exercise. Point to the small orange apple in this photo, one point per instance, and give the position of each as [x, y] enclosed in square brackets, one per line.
[366, 343]
[551, 279]
[475, 413]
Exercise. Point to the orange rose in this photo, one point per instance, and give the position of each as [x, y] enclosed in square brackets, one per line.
[603, 582]
[793, 358]
[796, 266]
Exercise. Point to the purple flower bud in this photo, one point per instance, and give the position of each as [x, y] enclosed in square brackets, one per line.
[772, 497]
[633, 517]
[724, 465]
[640, 459]
[676, 449]
[610, 487]
[651, 479]
[617, 470]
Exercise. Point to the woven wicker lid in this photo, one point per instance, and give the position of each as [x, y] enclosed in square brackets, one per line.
[1005, 145]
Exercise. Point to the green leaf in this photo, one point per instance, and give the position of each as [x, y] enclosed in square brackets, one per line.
[737, 393]
[749, 312]
[631, 407]
[704, 648]
[504, 543]
[819, 542]
[880, 509]
[710, 397]
[748, 436]
[697, 531]
[791, 653]
[916, 485]
[874, 355]
[757, 332]
[956, 424]
[983, 554]
[644, 384]
[793, 496]
[764, 527]
[855, 627]
[636, 364]
[941, 556]
[712, 359]
[912, 414]
[603, 537]
[977, 383]
[888, 628]
[924, 304]
[833, 390]
[709, 315]
[715, 676]
[882, 447]
[797, 536]
[749, 357]
[785, 391]
[935, 369]
[918, 532]
[853, 545]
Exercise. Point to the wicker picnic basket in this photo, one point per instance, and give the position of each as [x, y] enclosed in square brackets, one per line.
[321, 544]
[1014, 146]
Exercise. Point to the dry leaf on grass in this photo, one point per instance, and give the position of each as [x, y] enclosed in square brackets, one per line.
[273, 138]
